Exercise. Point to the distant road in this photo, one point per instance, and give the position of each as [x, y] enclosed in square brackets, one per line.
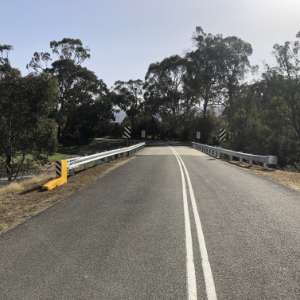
[172, 223]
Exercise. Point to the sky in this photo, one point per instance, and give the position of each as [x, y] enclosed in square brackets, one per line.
[125, 36]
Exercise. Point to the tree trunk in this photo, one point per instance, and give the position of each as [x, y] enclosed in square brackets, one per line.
[205, 105]
[8, 167]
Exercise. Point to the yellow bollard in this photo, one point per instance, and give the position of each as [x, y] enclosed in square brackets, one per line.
[62, 172]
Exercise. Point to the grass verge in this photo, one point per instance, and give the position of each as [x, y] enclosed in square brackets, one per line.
[58, 156]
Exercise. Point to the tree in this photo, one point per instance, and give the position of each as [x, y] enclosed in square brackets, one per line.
[215, 68]
[203, 75]
[77, 85]
[88, 121]
[247, 124]
[27, 132]
[164, 94]
[164, 81]
[286, 76]
[282, 94]
[235, 64]
[265, 116]
[128, 96]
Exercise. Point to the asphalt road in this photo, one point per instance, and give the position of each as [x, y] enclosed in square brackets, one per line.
[162, 226]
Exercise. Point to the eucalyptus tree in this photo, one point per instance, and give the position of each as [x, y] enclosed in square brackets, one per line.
[128, 96]
[235, 64]
[283, 97]
[26, 130]
[288, 70]
[164, 84]
[283, 82]
[204, 67]
[265, 116]
[165, 95]
[215, 67]
[77, 85]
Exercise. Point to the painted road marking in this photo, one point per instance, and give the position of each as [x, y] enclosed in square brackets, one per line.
[190, 267]
[208, 276]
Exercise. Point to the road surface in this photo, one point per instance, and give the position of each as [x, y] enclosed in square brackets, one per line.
[172, 223]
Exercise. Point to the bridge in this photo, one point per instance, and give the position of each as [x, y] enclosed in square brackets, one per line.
[171, 223]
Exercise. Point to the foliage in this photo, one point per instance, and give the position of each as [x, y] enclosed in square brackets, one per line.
[89, 120]
[265, 117]
[26, 128]
[182, 91]
[164, 97]
[215, 68]
[128, 96]
[204, 90]
[78, 88]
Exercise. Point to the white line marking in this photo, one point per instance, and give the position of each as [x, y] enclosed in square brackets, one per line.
[190, 267]
[208, 276]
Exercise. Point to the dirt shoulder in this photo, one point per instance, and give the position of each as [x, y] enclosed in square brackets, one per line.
[21, 201]
[286, 178]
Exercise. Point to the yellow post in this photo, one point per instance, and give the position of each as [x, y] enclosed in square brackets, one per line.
[64, 170]
[62, 166]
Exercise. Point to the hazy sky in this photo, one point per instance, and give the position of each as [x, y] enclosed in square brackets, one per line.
[125, 36]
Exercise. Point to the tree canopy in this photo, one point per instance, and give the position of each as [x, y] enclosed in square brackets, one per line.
[26, 104]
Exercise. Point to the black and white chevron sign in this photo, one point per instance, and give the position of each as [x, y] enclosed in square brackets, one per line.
[127, 132]
[222, 135]
[58, 168]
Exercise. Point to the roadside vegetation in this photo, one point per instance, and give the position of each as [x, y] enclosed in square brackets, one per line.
[60, 107]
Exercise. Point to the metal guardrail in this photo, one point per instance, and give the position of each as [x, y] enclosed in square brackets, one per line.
[69, 167]
[84, 162]
[218, 152]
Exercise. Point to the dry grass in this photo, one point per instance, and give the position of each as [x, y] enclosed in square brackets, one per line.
[20, 201]
[288, 179]
[21, 186]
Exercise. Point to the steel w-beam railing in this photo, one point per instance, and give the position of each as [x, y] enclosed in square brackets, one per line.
[83, 162]
[65, 168]
[218, 152]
